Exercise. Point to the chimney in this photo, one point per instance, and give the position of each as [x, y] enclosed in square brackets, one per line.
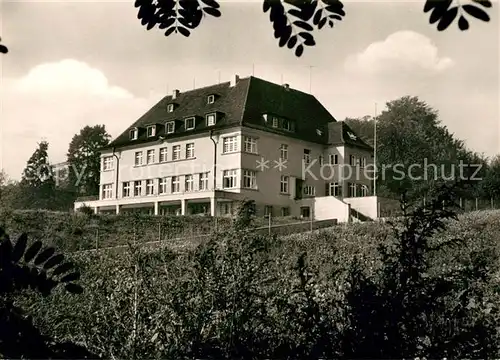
[286, 86]
[175, 94]
[235, 80]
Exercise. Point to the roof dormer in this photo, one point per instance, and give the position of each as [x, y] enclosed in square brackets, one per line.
[134, 133]
[151, 130]
[211, 98]
[171, 107]
[170, 127]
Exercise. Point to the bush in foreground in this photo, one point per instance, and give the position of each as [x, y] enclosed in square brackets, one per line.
[360, 291]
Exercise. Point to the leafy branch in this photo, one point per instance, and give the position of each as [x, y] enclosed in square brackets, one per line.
[443, 13]
[297, 33]
[3, 48]
[179, 16]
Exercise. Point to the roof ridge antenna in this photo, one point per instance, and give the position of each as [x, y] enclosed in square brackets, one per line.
[310, 78]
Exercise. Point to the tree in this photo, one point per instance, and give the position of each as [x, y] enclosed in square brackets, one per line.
[415, 152]
[490, 185]
[37, 185]
[294, 22]
[84, 159]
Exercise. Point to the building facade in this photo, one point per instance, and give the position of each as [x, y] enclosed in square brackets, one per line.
[205, 150]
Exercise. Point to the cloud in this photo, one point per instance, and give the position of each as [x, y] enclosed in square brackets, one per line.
[69, 77]
[404, 52]
[53, 101]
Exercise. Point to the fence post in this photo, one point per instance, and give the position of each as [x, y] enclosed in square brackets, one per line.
[476, 204]
[159, 232]
[311, 217]
[269, 224]
[491, 202]
[97, 238]
[461, 203]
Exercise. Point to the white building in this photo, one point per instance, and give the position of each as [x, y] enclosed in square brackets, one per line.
[204, 150]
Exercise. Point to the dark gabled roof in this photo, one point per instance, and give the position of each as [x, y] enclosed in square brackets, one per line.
[265, 97]
[242, 104]
[230, 103]
[340, 133]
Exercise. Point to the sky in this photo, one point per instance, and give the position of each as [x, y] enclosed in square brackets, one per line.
[76, 63]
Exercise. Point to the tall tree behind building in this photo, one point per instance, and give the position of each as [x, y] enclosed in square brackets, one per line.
[84, 159]
[37, 186]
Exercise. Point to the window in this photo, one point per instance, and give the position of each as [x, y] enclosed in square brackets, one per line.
[284, 152]
[226, 208]
[134, 134]
[285, 211]
[334, 159]
[137, 188]
[268, 210]
[138, 158]
[309, 190]
[170, 108]
[151, 130]
[284, 184]
[126, 189]
[333, 189]
[249, 179]
[352, 160]
[305, 212]
[203, 185]
[275, 122]
[307, 156]
[364, 190]
[286, 124]
[190, 151]
[210, 99]
[170, 127]
[150, 187]
[176, 184]
[362, 162]
[189, 181]
[189, 123]
[107, 191]
[150, 156]
[210, 119]
[107, 163]
[163, 154]
[230, 144]
[162, 186]
[176, 152]
[229, 179]
[352, 190]
[320, 160]
[250, 144]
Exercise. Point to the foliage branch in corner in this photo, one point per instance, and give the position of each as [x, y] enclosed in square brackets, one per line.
[443, 13]
[176, 16]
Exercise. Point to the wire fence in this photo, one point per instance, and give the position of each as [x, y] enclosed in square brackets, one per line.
[142, 234]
